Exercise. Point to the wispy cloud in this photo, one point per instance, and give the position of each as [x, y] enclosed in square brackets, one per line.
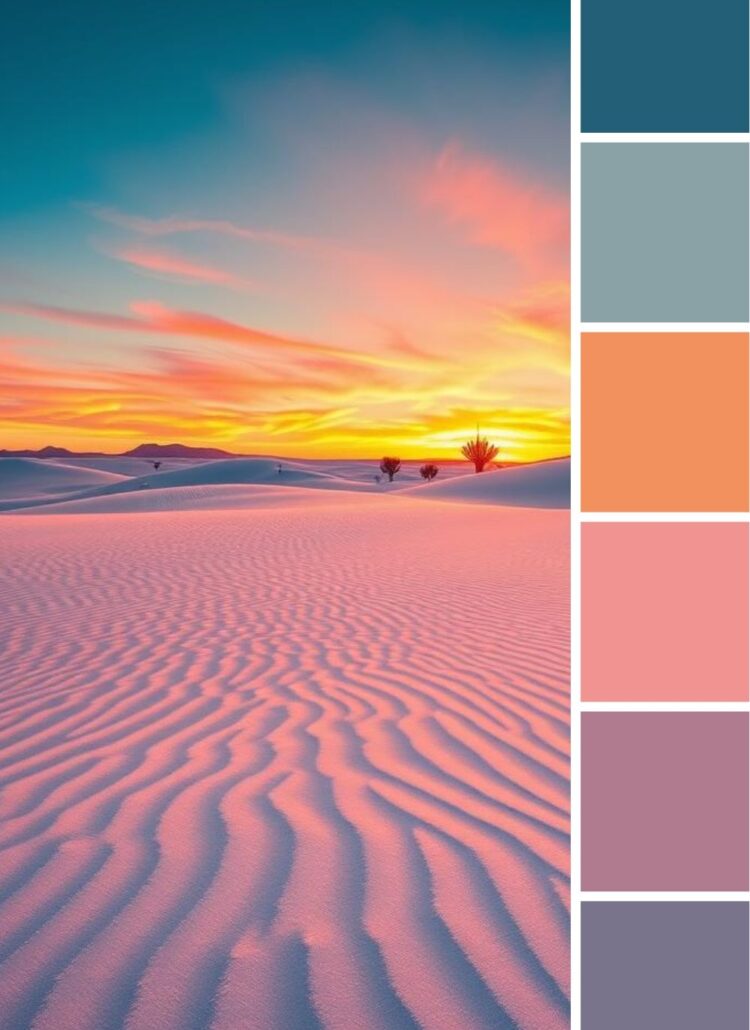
[541, 314]
[149, 317]
[172, 225]
[315, 407]
[168, 264]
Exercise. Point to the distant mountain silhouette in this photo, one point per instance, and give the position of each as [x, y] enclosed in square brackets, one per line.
[180, 450]
[176, 450]
[144, 450]
[52, 452]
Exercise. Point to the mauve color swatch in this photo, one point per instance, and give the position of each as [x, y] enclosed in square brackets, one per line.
[664, 609]
[664, 965]
[664, 801]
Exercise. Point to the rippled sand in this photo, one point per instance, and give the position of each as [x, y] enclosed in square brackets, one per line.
[285, 768]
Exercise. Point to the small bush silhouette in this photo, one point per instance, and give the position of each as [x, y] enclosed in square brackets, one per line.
[156, 464]
[389, 467]
[428, 472]
[480, 452]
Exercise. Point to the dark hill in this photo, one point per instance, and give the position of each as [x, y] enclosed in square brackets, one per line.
[176, 450]
[52, 452]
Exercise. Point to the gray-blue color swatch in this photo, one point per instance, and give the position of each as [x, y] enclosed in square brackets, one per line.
[664, 232]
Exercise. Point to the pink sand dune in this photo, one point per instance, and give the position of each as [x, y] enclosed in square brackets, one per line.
[298, 765]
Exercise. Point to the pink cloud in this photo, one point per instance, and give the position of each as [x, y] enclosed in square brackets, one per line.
[163, 263]
[375, 276]
[73, 316]
[497, 207]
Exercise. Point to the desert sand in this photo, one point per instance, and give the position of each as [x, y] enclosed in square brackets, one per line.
[281, 751]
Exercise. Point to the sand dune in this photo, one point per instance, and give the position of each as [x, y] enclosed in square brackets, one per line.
[301, 766]
[235, 470]
[202, 497]
[125, 466]
[543, 485]
[30, 478]
[249, 482]
[198, 476]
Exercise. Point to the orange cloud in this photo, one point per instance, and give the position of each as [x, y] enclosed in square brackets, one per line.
[152, 317]
[191, 323]
[178, 394]
[541, 314]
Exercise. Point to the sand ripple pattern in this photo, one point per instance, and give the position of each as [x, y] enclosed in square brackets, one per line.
[285, 769]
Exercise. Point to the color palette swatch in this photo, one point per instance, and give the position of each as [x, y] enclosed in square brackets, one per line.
[664, 801]
[665, 232]
[664, 611]
[662, 666]
[660, 965]
[664, 66]
[687, 448]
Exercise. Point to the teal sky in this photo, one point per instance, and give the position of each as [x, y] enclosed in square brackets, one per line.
[83, 81]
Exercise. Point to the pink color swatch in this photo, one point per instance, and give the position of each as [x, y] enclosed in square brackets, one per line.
[664, 612]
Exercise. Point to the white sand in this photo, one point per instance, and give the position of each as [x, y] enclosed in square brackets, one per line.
[26, 480]
[301, 764]
[24, 484]
[544, 485]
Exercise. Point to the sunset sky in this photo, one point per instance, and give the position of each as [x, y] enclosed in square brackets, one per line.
[290, 228]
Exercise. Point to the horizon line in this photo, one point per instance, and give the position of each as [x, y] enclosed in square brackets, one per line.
[274, 455]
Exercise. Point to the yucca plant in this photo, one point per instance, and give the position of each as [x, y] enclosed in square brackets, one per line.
[389, 467]
[428, 472]
[480, 452]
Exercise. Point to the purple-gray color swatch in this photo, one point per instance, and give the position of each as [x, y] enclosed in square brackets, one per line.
[664, 965]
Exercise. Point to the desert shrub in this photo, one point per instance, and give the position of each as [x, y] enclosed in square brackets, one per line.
[479, 452]
[389, 467]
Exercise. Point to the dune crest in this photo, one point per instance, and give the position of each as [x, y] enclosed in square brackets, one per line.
[269, 482]
[30, 478]
[545, 484]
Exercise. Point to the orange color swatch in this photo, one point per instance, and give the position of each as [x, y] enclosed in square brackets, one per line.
[664, 422]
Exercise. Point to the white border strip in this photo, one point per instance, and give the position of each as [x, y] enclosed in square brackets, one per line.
[663, 706]
[664, 896]
[665, 137]
[575, 515]
[664, 516]
[664, 327]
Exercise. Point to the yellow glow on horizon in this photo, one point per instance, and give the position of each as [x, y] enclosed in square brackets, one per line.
[326, 442]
